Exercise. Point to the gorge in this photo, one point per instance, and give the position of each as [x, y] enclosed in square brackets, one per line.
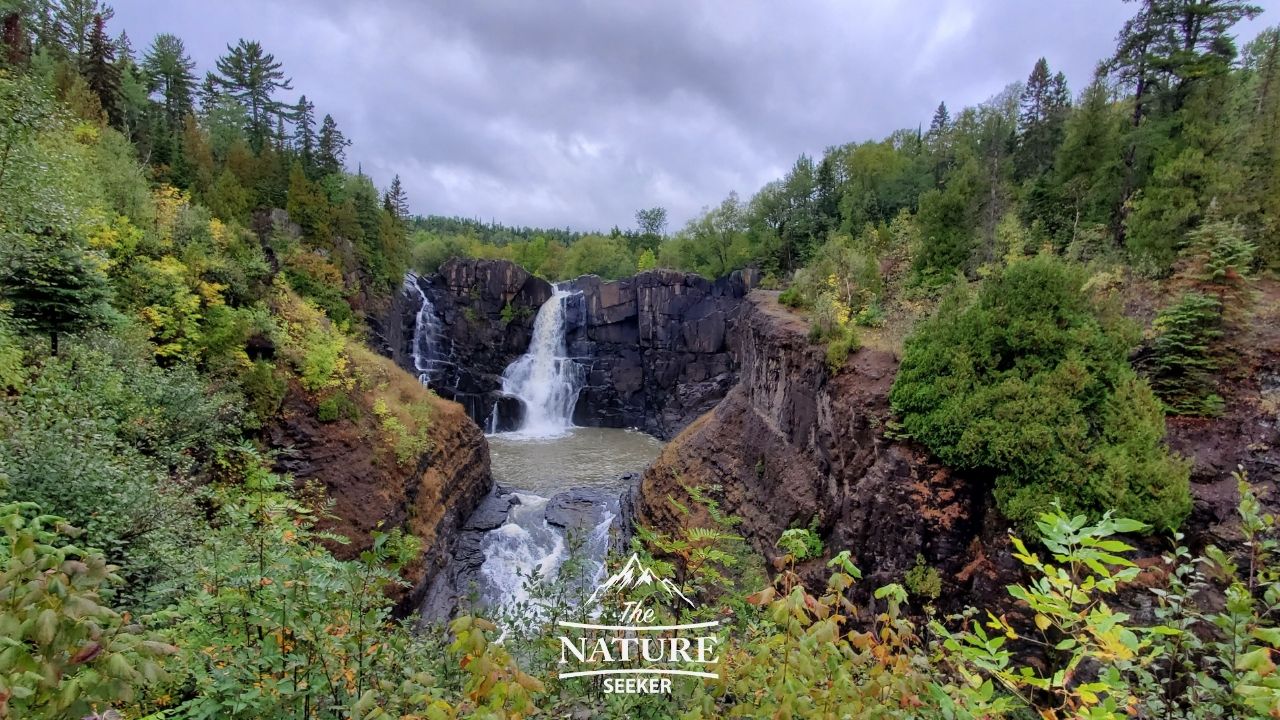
[751, 412]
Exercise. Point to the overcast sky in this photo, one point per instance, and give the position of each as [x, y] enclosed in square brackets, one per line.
[576, 113]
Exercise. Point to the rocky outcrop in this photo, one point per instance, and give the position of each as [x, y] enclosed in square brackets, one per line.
[486, 310]
[653, 345]
[793, 446]
[351, 459]
[655, 348]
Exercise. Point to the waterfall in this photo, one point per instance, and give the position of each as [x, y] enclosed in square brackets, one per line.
[425, 350]
[545, 379]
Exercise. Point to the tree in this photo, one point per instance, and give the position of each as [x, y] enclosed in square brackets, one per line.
[396, 201]
[51, 285]
[1042, 107]
[331, 149]
[73, 22]
[1031, 383]
[102, 74]
[304, 132]
[172, 74]
[651, 224]
[1088, 168]
[252, 76]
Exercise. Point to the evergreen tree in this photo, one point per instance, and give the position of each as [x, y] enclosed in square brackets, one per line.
[938, 142]
[51, 286]
[102, 74]
[172, 74]
[1042, 108]
[304, 132]
[396, 201]
[73, 22]
[252, 76]
[331, 148]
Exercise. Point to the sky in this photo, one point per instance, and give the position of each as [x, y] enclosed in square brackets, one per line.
[576, 113]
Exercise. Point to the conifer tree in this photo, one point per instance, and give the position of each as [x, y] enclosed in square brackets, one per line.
[252, 76]
[102, 73]
[172, 74]
[1042, 108]
[396, 201]
[304, 132]
[331, 148]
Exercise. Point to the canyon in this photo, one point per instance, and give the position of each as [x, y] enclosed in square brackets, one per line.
[757, 420]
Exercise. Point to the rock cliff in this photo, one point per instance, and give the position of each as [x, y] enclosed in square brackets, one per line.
[792, 444]
[653, 345]
[430, 495]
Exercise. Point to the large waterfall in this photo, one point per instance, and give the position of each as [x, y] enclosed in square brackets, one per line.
[545, 379]
[425, 352]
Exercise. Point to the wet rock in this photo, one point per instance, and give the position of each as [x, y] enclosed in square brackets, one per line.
[492, 512]
[654, 345]
[580, 509]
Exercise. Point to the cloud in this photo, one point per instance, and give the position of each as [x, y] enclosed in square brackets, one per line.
[577, 113]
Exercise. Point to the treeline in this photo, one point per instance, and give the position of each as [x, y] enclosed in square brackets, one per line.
[552, 254]
[1176, 125]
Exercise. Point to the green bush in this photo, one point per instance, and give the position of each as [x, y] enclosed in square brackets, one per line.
[844, 341]
[1183, 361]
[792, 297]
[1030, 382]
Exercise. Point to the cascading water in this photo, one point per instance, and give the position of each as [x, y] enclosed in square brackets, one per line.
[425, 351]
[545, 379]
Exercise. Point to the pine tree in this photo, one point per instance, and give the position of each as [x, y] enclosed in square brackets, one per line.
[938, 141]
[396, 201]
[74, 22]
[1042, 108]
[102, 73]
[331, 148]
[304, 132]
[252, 76]
[172, 74]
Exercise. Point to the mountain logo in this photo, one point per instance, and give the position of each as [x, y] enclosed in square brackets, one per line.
[635, 650]
[634, 574]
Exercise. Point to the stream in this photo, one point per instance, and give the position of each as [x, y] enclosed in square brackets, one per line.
[553, 479]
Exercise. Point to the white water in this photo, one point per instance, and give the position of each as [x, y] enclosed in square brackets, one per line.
[527, 542]
[545, 379]
[592, 459]
[425, 351]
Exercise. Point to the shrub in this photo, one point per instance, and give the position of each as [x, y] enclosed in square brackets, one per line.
[923, 581]
[1183, 361]
[1030, 382]
[844, 342]
[66, 652]
[792, 297]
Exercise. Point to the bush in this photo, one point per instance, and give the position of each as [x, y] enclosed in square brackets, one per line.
[1183, 361]
[844, 342]
[1030, 382]
[792, 297]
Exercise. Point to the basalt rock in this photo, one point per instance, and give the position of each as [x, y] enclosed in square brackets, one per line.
[486, 310]
[430, 496]
[653, 345]
[792, 445]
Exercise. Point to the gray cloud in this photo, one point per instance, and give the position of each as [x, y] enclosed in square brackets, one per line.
[576, 113]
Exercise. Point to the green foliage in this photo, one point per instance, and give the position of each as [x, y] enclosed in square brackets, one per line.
[923, 580]
[64, 651]
[1030, 381]
[1183, 359]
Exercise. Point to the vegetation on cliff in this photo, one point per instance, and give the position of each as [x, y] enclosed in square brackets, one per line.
[1030, 383]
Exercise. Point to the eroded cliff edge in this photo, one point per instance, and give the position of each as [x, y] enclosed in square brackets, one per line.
[792, 444]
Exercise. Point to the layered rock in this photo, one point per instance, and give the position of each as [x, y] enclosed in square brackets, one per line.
[653, 344]
[655, 348]
[371, 489]
[793, 446]
[486, 310]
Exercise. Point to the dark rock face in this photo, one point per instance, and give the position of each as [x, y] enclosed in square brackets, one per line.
[486, 310]
[655, 348]
[653, 345]
[792, 444]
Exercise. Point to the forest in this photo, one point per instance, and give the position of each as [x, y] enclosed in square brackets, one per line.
[184, 252]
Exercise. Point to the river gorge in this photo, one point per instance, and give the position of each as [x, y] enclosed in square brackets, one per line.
[602, 402]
